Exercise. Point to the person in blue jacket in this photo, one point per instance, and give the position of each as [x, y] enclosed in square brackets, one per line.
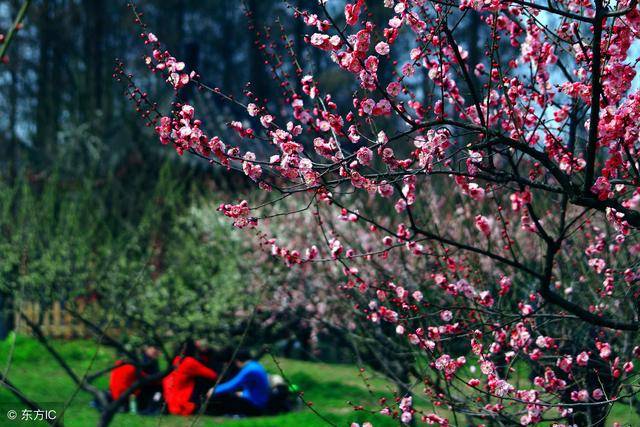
[247, 393]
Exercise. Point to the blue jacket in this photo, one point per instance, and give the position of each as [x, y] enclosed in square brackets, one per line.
[252, 380]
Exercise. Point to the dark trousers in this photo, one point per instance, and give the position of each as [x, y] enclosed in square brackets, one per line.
[145, 398]
[230, 404]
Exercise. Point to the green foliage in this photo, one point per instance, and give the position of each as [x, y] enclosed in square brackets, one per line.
[47, 238]
[193, 283]
[162, 263]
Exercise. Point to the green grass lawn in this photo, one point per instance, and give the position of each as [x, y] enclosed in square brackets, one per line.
[328, 386]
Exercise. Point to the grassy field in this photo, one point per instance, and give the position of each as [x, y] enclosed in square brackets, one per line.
[329, 387]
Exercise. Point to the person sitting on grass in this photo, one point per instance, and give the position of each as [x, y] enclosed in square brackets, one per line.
[179, 386]
[246, 394]
[126, 374]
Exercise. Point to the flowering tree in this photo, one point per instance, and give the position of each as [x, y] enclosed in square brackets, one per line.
[489, 207]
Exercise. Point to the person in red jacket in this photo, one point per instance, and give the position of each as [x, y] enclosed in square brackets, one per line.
[178, 387]
[125, 374]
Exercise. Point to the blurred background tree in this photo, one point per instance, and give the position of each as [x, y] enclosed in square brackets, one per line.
[83, 201]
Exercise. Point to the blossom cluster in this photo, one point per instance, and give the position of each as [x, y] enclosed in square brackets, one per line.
[495, 210]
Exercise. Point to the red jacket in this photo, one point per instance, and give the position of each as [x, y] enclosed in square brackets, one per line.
[121, 378]
[178, 386]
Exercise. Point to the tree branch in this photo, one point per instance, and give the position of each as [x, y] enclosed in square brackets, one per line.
[596, 91]
[14, 28]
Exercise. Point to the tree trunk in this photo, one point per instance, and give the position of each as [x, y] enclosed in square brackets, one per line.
[43, 113]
